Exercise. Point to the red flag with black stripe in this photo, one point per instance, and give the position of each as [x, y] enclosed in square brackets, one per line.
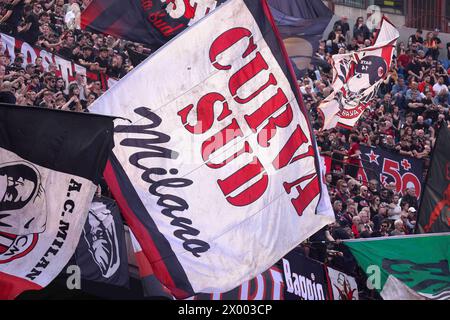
[152, 23]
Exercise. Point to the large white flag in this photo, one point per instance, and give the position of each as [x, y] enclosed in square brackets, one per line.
[216, 171]
[357, 77]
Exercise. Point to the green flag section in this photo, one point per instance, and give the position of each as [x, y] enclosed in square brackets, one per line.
[406, 267]
[434, 213]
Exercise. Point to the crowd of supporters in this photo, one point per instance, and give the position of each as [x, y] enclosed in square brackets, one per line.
[412, 104]
[47, 25]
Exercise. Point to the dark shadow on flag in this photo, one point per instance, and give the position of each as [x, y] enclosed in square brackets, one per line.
[301, 24]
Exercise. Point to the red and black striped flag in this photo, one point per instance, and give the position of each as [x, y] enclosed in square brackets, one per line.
[151, 22]
[434, 213]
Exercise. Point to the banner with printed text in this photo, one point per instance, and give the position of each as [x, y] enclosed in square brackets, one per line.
[218, 173]
[390, 167]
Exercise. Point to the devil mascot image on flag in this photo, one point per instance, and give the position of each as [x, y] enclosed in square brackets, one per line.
[359, 89]
[21, 192]
[357, 76]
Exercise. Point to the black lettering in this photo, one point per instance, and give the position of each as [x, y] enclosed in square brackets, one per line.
[69, 206]
[33, 274]
[170, 203]
[74, 186]
[62, 233]
[51, 251]
[43, 263]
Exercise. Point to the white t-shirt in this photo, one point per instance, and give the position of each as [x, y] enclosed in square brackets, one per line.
[437, 88]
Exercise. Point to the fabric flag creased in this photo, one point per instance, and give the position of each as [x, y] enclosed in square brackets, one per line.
[50, 164]
[151, 22]
[434, 213]
[218, 174]
[150, 284]
[301, 24]
[101, 253]
[357, 77]
[406, 267]
[389, 167]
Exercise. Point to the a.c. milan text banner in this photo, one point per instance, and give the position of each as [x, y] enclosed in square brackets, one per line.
[217, 174]
[50, 164]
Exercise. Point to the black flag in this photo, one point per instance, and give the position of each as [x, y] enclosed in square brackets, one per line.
[301, 24]
[101, 253]
[50, 164]
[434, 213]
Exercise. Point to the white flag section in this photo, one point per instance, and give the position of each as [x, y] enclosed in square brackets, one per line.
[45, 193]
[357, 77]
[46, 211]
[217, 174]
[344, 287]
[395, 289]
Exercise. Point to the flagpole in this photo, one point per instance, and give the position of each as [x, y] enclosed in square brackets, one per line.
[426, 181]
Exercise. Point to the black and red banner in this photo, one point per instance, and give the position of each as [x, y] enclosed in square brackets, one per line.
[388, 167]
[152, 22]
[434, 213]
[307, 279]
[216, 171]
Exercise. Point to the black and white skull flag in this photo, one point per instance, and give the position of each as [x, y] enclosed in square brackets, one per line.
[50, 164]
[218, 173]
[357, 76]
[102, 253]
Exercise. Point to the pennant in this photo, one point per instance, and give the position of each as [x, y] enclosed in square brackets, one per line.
[101, 253]
[50, 164]
[434, 213]
[217, 174]
[406, 267]
[357, 78]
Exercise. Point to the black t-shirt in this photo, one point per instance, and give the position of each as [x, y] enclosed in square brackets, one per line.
[7, 97]
[414, 67]
[413, 39]
[103, 63]
[432, 114]
[418, 126]
[362, 202]
[16, 15]
[67, 52]
[31, 36]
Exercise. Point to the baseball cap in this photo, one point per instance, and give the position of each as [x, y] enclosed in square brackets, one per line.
[412, 209]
